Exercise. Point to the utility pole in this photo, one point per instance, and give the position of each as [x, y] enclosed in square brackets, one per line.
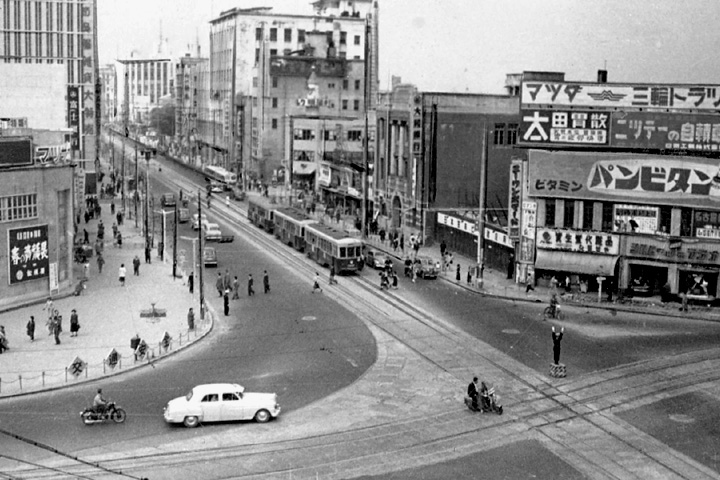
[135, 195]
[202, 260]
[366, 149]
[232, 100]
[481, 209]
[175, 239]
[148, 245]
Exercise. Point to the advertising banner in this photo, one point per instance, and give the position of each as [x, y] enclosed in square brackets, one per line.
[515, 197]
[15, 152]
[636, 218]
[527, 238]
[558, 127]
[616, 95]
[28, 254]
[652, 248]
[578, 241]
[668, 131]
[631, 178]
[73, 111]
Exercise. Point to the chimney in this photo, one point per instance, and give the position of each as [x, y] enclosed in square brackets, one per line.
[602, 76]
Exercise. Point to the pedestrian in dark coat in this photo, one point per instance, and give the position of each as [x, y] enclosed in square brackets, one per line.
[219, 284]
[266, 281]
[236, 288]
[469, 275]
[227, 281]
[30, 328]
[74, 323]
[136, 266]
[191, 283]
[557, 338]
[251, 292]
[148, 255]
[86, 236]
[457, 273]
[316, 283]
[443, 247]
[57, 328]
[191, 319]
[226, 302]
[100, 262]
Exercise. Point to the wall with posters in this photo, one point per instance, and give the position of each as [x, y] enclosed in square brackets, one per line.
[37, 235]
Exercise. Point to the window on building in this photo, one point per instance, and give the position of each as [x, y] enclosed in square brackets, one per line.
[608, 216]
[301, 36]
[303, 134]
[357, 40]
[274, 82]
[273, 34]
[354, 135]
[550, 212]
[329, 135]
[273, 52]
[356, 104]
[257, 55]
[357, 84]
[288, 35]
[331, 85]
[588, 212]
[255, 82]
[499, 134]
[254, 101]
[18, 207]
[344, 104]
[258, 34]
[274, 123]
[345, 84]
[512, 132]
[686, 222]
[343, 38]
[274, 102]
[569, 214]
[665, 219]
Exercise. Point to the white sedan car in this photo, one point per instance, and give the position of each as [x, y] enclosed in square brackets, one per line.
[219, 402]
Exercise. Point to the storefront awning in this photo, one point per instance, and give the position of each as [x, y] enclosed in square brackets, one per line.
[303, 168]
[573, 262]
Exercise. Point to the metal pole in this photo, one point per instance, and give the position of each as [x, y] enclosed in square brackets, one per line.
[147, 200]
[136, 196]
[366, 164]
[201, 265]
[175, 239]
[162, 226]
[481, 210]
[122, 186]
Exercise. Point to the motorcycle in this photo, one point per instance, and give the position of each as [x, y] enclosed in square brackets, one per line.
[489, 404]
[111, 412]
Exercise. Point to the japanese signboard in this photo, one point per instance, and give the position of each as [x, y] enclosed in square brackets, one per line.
[501, 238]
[28, 254]
[466, 225]
[636, 218]
[578, 241]
[655, 180]
[707, 253]
[616, 95]
[515, 196]
[73, 112]
[707, 224]
[15, 151]
[668, 131]
[527, 233]
[557, 127]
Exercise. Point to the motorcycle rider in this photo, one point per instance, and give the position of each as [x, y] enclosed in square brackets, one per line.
[473, 391]
[484, 396]
[99, 403]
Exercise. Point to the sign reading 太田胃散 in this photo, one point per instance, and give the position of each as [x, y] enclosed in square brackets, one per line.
[28, 255]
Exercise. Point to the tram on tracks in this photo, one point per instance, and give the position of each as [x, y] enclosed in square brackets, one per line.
[289, 226]
[261, 214]
[334, 248]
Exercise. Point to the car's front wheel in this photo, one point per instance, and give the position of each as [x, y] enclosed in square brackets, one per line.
[191, 422]
[262, 416]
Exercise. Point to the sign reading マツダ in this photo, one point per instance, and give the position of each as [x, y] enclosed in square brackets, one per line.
[619, 95]
[28, 253]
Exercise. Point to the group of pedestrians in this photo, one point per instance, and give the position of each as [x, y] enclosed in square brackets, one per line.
[54, 322]
[225, 285]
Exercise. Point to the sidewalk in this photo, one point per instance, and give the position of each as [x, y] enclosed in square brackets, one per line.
[109, 316]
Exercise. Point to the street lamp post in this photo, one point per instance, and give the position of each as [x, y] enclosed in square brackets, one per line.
[201, 266]
[162, 250]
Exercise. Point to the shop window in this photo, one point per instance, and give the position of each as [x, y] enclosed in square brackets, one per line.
[550, 212]
[588, 212]
[499, 134]
[608, 214]
[569, 214]
[665, 220]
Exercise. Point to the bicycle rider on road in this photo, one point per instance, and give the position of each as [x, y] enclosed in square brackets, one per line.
[553, 305]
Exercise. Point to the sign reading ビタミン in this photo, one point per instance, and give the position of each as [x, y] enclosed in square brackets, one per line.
[28, 253]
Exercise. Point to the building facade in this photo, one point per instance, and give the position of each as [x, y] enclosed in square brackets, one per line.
[255, 68]
[188, 91]
[108, 80]
[623, 179]
[60, 32]
[142, 83]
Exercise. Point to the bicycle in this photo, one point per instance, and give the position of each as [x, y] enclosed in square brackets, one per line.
[558, 314]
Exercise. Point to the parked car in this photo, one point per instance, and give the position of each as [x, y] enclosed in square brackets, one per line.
[210, 257]
[237, 193]
[196, 221]
[215, 187]
[167, 200]
[183, 215]
[221, 402]
[376, 258]
[428, 267]
[212, 232]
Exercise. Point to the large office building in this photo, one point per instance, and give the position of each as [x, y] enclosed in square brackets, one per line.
[142, 82]
[258, 61]
[59, 32]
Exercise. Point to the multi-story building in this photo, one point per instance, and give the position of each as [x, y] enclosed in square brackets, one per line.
[432, 151]
[187, 104]
[623, 186]
[109, 83]
[141, 85]
[270, 58]
[59, 32]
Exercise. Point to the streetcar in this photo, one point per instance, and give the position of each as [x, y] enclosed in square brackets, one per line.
[216, 174]
[260, 214]
[331, 247]
[290, 226]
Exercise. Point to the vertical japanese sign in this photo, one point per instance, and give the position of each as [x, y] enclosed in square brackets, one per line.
[527, 239]
[28, 254]
[73, 111]
[515, 197]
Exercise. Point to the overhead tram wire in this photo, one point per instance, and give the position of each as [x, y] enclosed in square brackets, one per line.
[62, 454]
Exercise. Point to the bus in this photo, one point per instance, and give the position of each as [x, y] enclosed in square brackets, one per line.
[330, 247]
[213, 173]
[290, 226]
[260, 214]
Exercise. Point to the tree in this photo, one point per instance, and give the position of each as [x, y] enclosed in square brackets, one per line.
[162, 119]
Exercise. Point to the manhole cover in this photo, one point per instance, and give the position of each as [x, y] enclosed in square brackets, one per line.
[681, 418]
[511, 331]
[308, 318]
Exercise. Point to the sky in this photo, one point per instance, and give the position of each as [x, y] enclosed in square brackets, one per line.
[470, 45]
